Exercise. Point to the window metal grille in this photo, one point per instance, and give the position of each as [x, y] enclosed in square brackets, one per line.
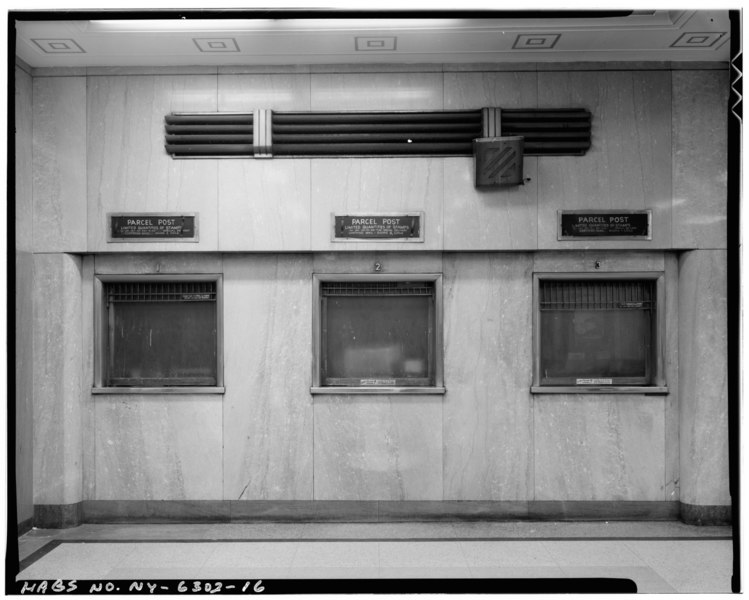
[376, 288]
[596, 295]
[161, 291]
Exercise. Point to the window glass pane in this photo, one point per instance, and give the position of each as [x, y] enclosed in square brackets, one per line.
[595, 343]
[377, 337]
[163, 341]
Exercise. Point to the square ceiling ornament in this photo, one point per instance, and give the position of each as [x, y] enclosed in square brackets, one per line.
[59, 46]
[536, 41]
[216, 44]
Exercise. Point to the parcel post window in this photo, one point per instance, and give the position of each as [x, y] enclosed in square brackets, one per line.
[160, 333]
[598, 332]
[379, 333]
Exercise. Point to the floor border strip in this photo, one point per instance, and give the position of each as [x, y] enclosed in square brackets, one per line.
[52, 544]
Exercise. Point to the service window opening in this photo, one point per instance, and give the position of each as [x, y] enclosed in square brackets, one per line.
[597, 332]
[378, 333]
[160, 334]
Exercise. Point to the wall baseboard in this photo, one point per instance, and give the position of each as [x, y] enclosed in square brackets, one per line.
[25, 526]
[369, 511]
[705, 514]
[58, 516]
[238, 511]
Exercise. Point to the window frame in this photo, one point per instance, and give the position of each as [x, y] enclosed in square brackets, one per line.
[658, 381]
[318, 386]
[101, 334]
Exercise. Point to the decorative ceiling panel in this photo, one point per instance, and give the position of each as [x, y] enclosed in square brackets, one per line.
[59, 46]
[216, 44]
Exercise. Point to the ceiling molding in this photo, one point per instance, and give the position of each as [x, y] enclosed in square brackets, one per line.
[640, 36]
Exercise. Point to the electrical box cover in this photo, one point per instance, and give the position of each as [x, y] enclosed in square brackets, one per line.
[498, 161]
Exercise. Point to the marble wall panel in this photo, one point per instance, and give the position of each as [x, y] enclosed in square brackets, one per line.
[57, 367]
[88, 401]
[59, 164]
[390, 262]
[488, 428]
[23, 156]
[268, 356]
[239, 93]
[24, 386]
[671, 369]
[703, 378]
[378, 448]
[371, 185]
[129, 169]
[152, 263]
[471, 90]
[608, 261]
[377, 91]
[699, 158]
[629, 163]
[489, 219]
[589, 447]
[23, 297]
[158, 448]
[264, 205]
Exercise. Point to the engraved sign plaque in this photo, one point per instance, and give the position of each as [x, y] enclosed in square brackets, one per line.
[150, 227]
[378, 227]
[622, 225]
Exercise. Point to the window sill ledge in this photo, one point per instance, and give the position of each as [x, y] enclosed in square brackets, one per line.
[113, 391]
[377, 390]
[592, 389]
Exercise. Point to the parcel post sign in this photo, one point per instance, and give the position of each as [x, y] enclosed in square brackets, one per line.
[152, 227]
[578, 224]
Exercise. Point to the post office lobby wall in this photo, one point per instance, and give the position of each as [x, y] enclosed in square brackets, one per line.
[98, 147]
[658, 143]
[487, 438]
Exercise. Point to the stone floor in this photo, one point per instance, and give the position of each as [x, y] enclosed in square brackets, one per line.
[660, 557]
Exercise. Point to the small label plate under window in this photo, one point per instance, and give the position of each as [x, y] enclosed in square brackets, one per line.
[594, 381]
[377, 382]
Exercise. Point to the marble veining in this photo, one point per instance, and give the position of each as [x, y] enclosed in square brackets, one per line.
[629, 163]
[371, 185]
[489, 219]
[377, 91]
[378, 448]
[699, 158]
[23, 138]
[246, 92]
[59, 164]
[466, 90]
[158, 448]
[264, 204]
[128, 167]
[268, 355]
[589, 447]
[487, 428]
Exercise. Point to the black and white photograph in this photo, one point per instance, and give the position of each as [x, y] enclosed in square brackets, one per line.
[373, 299]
